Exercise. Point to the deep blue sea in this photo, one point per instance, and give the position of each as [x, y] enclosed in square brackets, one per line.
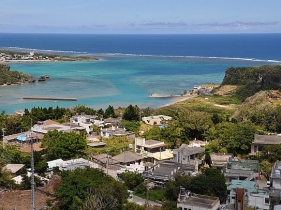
[131, 67]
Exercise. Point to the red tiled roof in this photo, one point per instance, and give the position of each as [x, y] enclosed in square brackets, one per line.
[36, 147]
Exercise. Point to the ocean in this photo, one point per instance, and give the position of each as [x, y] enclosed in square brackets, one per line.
[131, 67]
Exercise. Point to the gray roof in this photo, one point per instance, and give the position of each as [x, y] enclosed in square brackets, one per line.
[96, 144]
[152, 142]
[190, 150]
[127, 157]
[267, 139]
[275, 173]
[13, 168]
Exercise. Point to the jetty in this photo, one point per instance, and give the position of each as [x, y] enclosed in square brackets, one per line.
[156, 95]
[51, 98]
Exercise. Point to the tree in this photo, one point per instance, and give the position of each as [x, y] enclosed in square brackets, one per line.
[131, 179]
[63, 145]
[132, 113]
[234, 137]
[208, 158]
[89, 188]
[169, 205]
[109, 112]
[133, 126]
[266, 168]
[194, 123]
[211, 182]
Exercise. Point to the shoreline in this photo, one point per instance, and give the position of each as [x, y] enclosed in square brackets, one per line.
[177, 99]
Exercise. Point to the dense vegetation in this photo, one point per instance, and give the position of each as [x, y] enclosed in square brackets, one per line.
[81, 189]
[253, 79]
[12, 77]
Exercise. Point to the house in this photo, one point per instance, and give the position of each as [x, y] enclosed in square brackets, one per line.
[76, 163]
[188, 155]
[127, 158]
[15, 169]
[197, 143]
[156, 120]
[85, 121]
[247, 195]
[54, 163]
[275, 177]
[96, 144]
[36, 147]
[44, 127]
[116, 122]
[22, 138]
[115, 131]
[188, 201]
[264, 140]
[165, 171]
[152, 150]
[219, 160]
[241, 170]
[133, 167]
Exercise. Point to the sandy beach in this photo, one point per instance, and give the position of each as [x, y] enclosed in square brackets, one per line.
[177, 99]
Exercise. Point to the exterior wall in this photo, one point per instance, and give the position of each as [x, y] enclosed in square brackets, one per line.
[84, 122]
[276, 183]
[258, 201]
[185, 206]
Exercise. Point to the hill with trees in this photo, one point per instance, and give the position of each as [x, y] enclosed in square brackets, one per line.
[13, 77]
[250, 80]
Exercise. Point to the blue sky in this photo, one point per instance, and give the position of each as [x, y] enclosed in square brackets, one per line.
[140, 16]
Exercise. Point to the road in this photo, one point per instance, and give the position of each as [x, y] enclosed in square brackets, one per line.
[142, 201]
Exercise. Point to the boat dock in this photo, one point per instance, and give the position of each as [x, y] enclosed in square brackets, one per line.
[50, 98]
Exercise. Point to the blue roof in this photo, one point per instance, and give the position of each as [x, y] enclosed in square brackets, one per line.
[22, 138]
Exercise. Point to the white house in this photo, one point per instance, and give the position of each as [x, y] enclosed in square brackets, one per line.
[85, 121]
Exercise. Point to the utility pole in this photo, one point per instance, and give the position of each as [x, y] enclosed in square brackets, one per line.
[107, 162]
[3, 131]
[32, 177]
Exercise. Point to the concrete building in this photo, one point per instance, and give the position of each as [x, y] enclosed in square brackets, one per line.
[241, 170]
[15, 169]
[165, 171]
[76, 163]
[152, 150]
[115, 131]
[264, 140]
[191, 201]
[219, 160]
[275, 176]
[188, 155]
[247, 195]
[127, 158]
[85, 121]
[42, 127]
[156, 120]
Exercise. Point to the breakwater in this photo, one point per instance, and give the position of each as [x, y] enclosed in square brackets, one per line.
[51, 98]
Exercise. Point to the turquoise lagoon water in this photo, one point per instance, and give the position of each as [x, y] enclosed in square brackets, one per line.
[114, 80]
[131, 67]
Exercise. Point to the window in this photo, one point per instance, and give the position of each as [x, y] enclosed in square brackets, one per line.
[266, 200]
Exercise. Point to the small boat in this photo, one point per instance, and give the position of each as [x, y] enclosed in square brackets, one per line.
[41, 79]
[47, 76]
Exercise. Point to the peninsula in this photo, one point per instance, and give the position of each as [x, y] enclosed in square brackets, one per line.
[17, 56]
